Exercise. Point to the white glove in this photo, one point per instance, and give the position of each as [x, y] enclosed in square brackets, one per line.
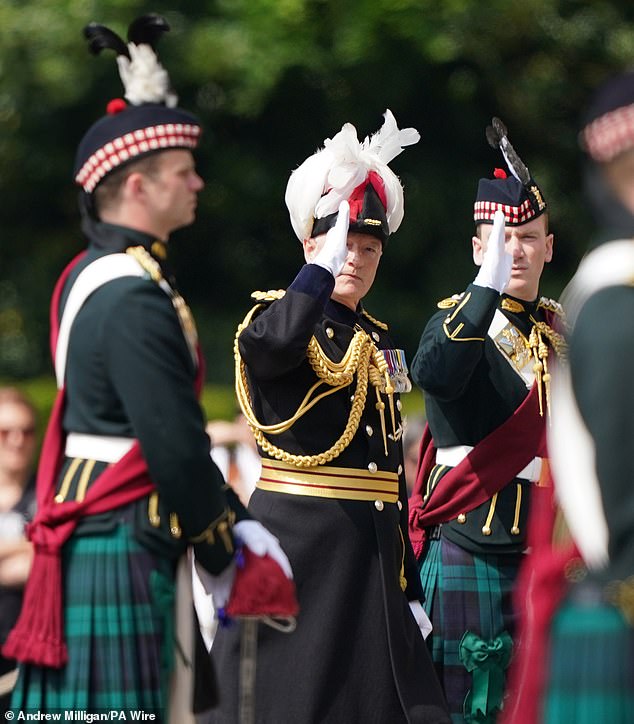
[332, 255]
[495, 271]
[218, 586]
[424, 624]
[260, 541]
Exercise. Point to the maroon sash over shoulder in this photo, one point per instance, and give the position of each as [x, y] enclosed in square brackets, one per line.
[492, 463]
[38, 635]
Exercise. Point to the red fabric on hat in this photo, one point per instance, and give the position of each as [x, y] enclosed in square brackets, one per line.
[358, 194]
[260, 589]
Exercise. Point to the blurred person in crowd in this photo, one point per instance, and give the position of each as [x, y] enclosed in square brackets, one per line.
[235, 452]
[318, 380]
[125, 483]
[17, 507]
[413, 428]
[483, 363]
[578, 664]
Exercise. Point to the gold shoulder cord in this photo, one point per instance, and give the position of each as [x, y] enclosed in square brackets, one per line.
[540, 355]
[153, 268]
[361, 358]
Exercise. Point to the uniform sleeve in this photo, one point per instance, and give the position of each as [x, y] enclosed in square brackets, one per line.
[452, 344]
[276, 340]
[153, 373]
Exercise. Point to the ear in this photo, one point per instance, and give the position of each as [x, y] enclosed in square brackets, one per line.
[133, 186]
[549, 248]
[310, 246]
[477, 249]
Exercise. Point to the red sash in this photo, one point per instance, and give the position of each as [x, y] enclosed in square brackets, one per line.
[492, 463]
[38, 635]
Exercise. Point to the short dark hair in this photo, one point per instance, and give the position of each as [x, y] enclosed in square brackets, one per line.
[107, 192]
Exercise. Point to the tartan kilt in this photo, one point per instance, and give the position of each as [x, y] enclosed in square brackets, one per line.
[118, 624]
[591, 677]
[464, 591]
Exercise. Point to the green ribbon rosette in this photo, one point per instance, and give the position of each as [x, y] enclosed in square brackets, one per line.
[486, 661]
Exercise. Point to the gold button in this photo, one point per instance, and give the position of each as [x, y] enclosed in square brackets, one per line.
[373, 467]
[378, 504]
[400, 505]
[375, 336]
[486, 530]
[330, 332]
[515, 530]
[400, 470]
[369, 430]
[462, 518]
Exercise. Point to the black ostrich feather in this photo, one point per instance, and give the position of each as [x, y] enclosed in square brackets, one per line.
[497, 137]
[147, 29]
[100, 38]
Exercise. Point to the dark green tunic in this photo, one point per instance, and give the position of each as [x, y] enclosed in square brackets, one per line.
[129, 373]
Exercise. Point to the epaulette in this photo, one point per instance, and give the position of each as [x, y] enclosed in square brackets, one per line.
[269, 296]
[376, 322]
[450, 302]
[552, 306]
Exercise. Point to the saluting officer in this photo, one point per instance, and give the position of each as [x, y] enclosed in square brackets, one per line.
[319, 381]
[482, 363]
[125, 482]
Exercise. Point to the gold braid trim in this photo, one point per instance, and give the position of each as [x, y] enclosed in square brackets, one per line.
[540, 355]
[375, 321]
[361, 358]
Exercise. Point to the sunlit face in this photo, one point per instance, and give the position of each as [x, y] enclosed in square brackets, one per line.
[530, 246]
[172, 191]
[17, 438]
[358, 273]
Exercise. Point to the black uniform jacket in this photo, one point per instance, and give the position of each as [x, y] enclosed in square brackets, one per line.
[130, 373]
[356, 654]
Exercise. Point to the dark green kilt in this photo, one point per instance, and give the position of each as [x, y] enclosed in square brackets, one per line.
[118, 619]
[467, 592]
[591, 676]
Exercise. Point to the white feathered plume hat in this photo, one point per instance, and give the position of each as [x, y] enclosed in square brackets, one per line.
[348, 170]
[149, 121]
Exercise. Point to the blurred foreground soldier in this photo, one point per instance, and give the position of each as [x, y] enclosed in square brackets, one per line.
[580, 665]
[318, 380]
[483, 364]
[125, 483]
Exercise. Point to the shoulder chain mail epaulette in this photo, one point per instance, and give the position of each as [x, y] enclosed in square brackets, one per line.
[269, 296]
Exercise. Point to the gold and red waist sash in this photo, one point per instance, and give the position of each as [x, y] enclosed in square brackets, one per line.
[325, 481]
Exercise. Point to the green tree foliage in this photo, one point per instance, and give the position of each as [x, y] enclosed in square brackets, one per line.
[271, 79]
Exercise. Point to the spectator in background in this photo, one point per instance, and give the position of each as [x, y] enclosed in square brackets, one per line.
[412, 433]
[17, 504]
[234, 451]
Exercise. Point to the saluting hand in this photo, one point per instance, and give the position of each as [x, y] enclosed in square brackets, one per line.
[497, 263]
[332, 255]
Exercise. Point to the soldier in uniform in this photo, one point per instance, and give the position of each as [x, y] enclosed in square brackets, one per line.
[125, 482]
[585, 593]
[318, 379]
[482, 363]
